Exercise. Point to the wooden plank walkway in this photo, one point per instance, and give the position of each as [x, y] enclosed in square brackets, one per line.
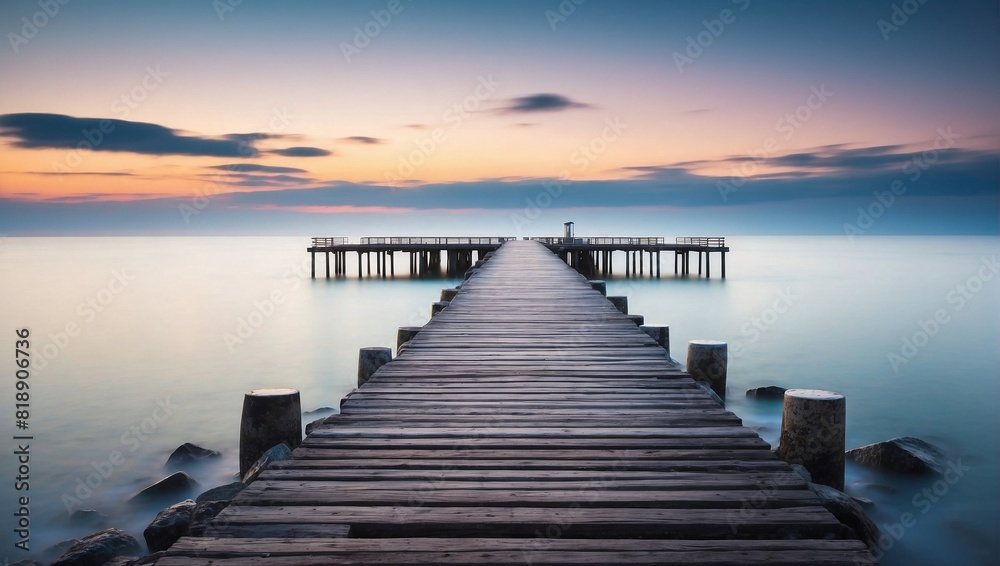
[528, 423]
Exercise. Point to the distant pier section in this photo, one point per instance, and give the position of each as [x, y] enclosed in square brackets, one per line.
[453, 256]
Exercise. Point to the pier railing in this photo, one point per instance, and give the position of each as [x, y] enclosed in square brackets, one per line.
[327, 242]
[600, 241]
[707, 242]
[436, 241]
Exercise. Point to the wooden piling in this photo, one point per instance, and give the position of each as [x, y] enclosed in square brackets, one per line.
[369, 360]
[620, 302]
[404, 334]
[707, 361]
[660, 333]
[599, 285]
[270, 417]
[813, 428]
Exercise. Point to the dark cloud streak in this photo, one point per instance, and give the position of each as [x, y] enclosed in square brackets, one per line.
[59, 131]
[542, 102]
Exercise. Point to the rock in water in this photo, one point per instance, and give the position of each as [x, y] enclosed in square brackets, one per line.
[321, 410]
[904, 455]
[169, 525]
[88, 517]
[222, 492]
[276, 453]
[767, 392]
[147, 560]
[99, 548]
[187, 453]
[174, 484]
[315, 424]
[848, 512]
[57, 550]
[201, 518]
[802, 471]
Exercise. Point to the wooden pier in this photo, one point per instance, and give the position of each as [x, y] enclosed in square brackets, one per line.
[454, 255]
[530, 422]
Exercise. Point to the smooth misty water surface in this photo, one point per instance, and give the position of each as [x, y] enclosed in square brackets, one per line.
[170, 332]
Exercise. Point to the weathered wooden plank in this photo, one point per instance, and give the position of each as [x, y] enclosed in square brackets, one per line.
[318, 493]
[729, 464]
[528, 442]
[525, 480]
[582, 522]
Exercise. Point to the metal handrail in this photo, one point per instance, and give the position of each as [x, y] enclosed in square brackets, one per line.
[603, 241]
[703, 241]
[327, 242]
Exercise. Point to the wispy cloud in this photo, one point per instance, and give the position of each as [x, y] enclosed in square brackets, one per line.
[301, 151]
[542, 102]
[58, 131]
[363, 140]
[85, 173]
[255, 168]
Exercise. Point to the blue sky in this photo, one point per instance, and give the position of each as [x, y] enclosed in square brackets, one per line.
[743, 116]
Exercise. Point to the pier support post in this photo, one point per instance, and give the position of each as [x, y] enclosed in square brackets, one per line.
[620, 302]
[599, 285]
[312, 256]
[813, 434]
[369, 360]
[707, 361]
[638, 319]
[404, 334]
[270, 417]
[448, 294]
[660, 333]
[437, 307]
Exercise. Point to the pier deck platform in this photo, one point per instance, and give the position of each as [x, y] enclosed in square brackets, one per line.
[529, 422]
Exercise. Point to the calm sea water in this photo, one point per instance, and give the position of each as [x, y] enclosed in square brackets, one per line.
[141, 344]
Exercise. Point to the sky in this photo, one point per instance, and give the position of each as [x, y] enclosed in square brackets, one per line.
[423, 117]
